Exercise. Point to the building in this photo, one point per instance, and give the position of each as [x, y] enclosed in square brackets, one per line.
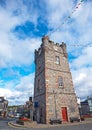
[90, 104]
[86, 106]
[3, 107]
[29, 108]
[79, 105]
[54, 95]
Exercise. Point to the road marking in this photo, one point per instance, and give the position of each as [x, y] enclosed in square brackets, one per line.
[12, 125]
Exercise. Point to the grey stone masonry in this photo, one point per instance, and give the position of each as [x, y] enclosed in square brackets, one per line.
[54, 95]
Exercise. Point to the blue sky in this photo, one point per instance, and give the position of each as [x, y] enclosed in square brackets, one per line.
[22, 25]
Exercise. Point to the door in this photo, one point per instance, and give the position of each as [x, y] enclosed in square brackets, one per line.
[64, 114]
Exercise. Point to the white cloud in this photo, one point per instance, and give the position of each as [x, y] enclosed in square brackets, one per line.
[81, 68]
[8, 93]
[76, 29]
[57, 12]
[18, 52]
[16, 13]
[11, 48]
[84, 59]
[82, 82]
[26, 84]
[23, 51]
[18, 92]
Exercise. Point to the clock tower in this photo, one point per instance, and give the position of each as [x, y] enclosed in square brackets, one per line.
[54, 95]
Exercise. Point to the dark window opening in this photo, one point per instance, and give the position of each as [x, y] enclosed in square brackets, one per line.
[57, 60]
[60, 81]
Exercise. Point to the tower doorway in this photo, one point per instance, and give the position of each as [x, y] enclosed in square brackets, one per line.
[64, 114]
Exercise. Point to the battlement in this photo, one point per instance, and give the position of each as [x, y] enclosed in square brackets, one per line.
[46, 42]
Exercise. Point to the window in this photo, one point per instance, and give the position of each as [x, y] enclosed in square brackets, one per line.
[38, 86]
[39, 64]
[57, 60]
[40, 51]
[60, 81]
[41, 112]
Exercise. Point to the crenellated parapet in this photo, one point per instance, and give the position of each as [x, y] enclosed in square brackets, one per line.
[58, 47]
[46, 42]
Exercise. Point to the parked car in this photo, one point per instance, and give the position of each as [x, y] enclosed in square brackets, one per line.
[11, 115]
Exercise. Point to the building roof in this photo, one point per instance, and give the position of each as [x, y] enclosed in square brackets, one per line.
[2, 100]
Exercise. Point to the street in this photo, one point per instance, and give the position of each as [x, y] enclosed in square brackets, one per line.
[4, 126]
[4, 123]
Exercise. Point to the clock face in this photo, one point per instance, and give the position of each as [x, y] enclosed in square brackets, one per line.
[55, 48]
[58, 49]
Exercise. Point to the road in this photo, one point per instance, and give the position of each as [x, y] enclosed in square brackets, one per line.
[4, 123]
[4, 126]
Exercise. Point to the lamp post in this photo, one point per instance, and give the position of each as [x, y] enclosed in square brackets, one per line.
[55, 104]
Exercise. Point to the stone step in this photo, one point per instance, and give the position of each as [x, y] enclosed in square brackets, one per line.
[30, 124]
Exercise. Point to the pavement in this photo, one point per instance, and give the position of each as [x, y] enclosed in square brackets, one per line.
[36, 125]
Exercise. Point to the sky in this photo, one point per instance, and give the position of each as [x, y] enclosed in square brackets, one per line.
[23, 23]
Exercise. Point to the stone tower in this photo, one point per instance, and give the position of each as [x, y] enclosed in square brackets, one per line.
[54, 95]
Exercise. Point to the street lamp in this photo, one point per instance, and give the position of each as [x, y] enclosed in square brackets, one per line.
[55, 104]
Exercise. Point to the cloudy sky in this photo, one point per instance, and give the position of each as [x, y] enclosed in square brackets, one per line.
[22, 25]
